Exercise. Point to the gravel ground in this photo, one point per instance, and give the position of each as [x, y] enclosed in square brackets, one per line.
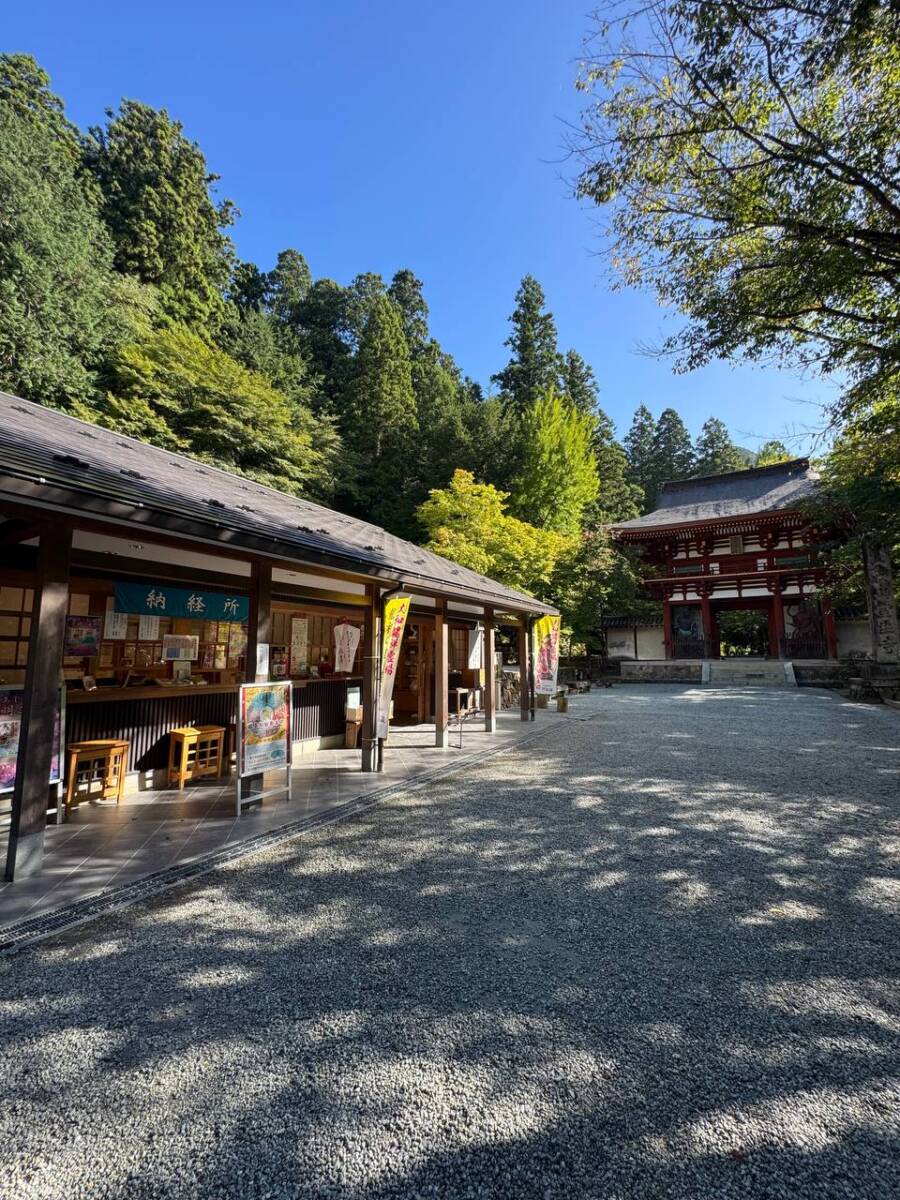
[654, 957]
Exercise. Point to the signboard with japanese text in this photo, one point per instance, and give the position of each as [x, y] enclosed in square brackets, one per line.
[346, 641]
[163, 601]
[546, 655]
[148, 629]
[299, 643]
[115, 626]
[396, 610]
[177, 647]
[265, 725]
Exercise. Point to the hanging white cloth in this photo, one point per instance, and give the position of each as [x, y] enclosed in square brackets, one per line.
[475, 649]
[346, 640]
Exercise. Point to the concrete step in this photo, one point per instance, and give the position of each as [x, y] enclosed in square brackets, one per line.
[751, 672]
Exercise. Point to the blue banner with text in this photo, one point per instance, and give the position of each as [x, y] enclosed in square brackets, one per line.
[153, 599]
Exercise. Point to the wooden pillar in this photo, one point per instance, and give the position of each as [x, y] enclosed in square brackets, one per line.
[830, 628]
[490, 673]
[776, 625]
[370, 666]
[259, 624]
[667, 627]
[25, 849]
[524, 670]
[441, 672]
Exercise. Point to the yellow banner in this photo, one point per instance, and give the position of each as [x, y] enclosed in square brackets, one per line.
[546, 654]
[396, 610]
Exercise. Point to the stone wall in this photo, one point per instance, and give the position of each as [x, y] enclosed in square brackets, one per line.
[661, 671]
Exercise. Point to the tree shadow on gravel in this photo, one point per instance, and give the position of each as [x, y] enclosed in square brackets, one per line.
[655, 956]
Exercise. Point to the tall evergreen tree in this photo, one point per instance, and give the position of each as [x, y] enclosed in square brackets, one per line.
[578, 381]
[406, 292]
[533, 367]
[322, 324]
[715, 453]
[618, 498]
[166, 226]
[59, 298]
[672, 453]
[771, 452]
[380, 423]
[557, 475]
[287, 286]
[639, 452]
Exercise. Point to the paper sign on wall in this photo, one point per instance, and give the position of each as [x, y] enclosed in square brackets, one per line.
[148, 629]
[476, 641]
[299, 640]
[395, 613]
[115, 626]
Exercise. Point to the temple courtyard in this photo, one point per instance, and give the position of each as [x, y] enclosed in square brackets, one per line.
[655, 954]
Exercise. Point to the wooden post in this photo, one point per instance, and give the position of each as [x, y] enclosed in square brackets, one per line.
[776, 626]
[441, 672]
[370, 678]
[25, 849]
[524, 671]
[490, 673]
[259, 624]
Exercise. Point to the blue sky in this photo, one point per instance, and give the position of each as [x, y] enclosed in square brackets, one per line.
[373, 136]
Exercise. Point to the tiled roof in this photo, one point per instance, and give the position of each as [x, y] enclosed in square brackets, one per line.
[49, 448]
[781, 486]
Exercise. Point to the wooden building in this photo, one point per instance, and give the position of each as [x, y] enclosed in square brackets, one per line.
[739, 543]
[111, 549]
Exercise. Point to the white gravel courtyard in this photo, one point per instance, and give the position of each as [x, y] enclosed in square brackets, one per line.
[653, 954]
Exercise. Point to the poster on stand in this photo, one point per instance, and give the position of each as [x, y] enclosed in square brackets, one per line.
[11, 697]
[396, 610]
[83, 636]
[265, 728]
[346, 640]
[546, 655]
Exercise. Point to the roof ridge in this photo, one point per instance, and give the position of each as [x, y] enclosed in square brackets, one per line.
[785, 463]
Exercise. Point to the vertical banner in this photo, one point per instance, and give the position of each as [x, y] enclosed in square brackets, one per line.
[546, 655]
[394, 622]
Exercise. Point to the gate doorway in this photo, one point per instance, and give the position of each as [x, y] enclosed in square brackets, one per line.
[743, 633]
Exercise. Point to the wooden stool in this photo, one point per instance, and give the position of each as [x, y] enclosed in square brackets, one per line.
[100, 763]
[195, 752]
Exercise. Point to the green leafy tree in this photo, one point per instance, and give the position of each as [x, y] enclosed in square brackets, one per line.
[167, 228]
[772, 452]
[715, 453]
[747, 156]
[380, 421]
[60, 303]
[557, 475]
[324, 335]
[671, 453]
[467, 522]
[533, 367]
[176, 390]
[639, 452]
[287, 286]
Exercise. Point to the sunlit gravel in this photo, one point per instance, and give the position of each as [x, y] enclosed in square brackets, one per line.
[653, 955]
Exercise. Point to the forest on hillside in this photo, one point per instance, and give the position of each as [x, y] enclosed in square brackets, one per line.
[123, 301]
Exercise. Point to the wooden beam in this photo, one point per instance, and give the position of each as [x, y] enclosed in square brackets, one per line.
[490, 673]
[14, 531]
[369, 650]
[259, 624]
[524, 670]
[25, 849]
[441, 673]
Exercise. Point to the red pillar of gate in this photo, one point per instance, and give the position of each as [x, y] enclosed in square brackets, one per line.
[776, 625]
[667, 627]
